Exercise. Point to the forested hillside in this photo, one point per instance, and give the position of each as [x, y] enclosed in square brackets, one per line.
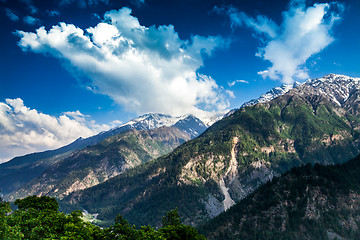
[231, 159]
[308, 202]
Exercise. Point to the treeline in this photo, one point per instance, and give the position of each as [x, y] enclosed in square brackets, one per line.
[39, 218]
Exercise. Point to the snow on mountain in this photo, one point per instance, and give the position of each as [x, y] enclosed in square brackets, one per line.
[191, 125]
[273, 93]
[187, 123]
[152, 120]
[336, 88]
[340, 89]
[212, 118]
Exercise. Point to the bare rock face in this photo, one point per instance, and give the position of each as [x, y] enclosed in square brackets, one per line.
[257, 174]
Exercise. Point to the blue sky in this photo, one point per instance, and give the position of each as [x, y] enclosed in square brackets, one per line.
[74, 68]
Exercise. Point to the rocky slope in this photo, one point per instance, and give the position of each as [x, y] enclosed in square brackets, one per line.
[95, 164]
[20, 170]
[336, 88]
[319, 202]
[231, 159]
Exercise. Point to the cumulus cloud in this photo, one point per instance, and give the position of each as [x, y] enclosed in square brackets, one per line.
[144, 69]
[304, 31]
[11, 15]
[24, 130]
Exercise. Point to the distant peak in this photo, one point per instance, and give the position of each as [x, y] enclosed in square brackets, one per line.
[271, 94]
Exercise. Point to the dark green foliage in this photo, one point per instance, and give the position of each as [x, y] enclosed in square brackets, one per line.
[173, 229]
[171, 218]
[38, 218]
[37, 203]
[307, 202]
[122, 230]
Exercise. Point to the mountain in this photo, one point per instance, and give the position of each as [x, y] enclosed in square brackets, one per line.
[308, 202]
[271, 94]
[20, 170]
[207, 175]
[191, 125]
[337, 88]
[95, 164]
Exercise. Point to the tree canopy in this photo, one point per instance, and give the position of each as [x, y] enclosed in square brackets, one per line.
[39, 218]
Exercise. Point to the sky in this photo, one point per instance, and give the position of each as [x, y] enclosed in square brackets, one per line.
[71, 69]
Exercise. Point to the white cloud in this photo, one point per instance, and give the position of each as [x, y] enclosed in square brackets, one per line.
[11, 15]
[144, 69]
[24, 130]
[31, 20]
[236, 81]
[305, 31]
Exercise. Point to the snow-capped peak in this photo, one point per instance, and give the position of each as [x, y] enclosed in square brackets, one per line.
[336, 88]
[273, 93]
[153, 120]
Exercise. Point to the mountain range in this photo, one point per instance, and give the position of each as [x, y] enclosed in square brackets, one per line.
[315, 122]
[15, 173]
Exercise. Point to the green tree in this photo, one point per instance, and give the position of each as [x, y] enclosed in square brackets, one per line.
[121, 230]
[171, 218]
[173, 228]
[37, 203]
[39, 218]
[6, 231]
